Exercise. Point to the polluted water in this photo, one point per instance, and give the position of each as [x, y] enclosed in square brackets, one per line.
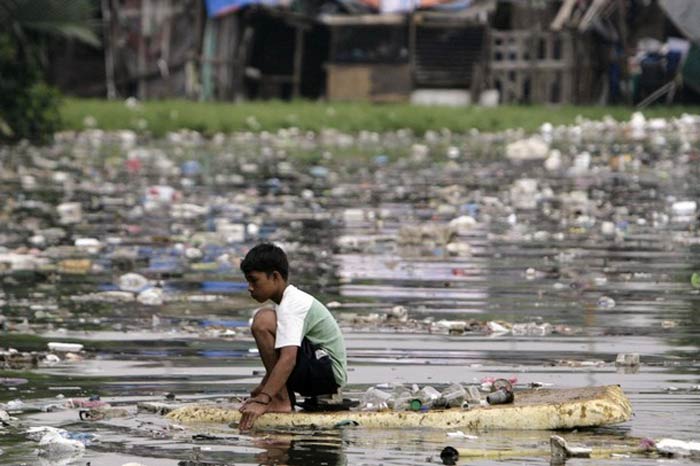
[565, 258]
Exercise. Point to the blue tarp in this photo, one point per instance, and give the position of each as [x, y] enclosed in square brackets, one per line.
[224, 287]
[223, 7]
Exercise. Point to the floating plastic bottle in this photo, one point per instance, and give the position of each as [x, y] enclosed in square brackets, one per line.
[428, 396]
[453, 396]
[473, 395]
[401, 398]
[375, 399]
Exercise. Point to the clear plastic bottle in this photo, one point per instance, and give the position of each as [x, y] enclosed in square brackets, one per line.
[401, 398]
[473, 395]
[375, 399]
[428, 396]
[453, 396]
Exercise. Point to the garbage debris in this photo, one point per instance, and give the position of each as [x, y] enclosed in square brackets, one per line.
[398, 397]
[59, 442]
[12, 381]
[695, 279]
[501, 392]
[532, 329]
[497, 328]
[70, 212]
[684, 208]
[533, 148]
[606, 302]
[453, 396]
[103, 412]
[151, 297]
[561, 449]
[627, 359]
[437, 234]
[673, 447]
[132, 282]
[4, 418]
[65, 347]
[13, 359]
[461, 435]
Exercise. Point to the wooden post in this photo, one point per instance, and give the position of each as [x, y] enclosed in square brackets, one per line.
[234, 66]
[209, 48]
[532, 44]
[168, 14]
[622, 25]
[145, 18]
[193, 85]
[223, 54]
[298, 60]
[412, 33]
[109, 52]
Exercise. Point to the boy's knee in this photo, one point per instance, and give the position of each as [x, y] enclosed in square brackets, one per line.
[265, 320]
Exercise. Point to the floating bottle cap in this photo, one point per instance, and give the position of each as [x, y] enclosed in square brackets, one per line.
[416, 404]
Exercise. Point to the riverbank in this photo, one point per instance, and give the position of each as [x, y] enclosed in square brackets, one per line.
[160, 117]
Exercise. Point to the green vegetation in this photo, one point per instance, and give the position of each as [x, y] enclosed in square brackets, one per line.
[28, 107]
[159, 117]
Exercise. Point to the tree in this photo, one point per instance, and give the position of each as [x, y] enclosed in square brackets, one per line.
[28, 106]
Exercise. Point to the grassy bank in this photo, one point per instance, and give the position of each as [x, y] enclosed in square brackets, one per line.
[159, 117]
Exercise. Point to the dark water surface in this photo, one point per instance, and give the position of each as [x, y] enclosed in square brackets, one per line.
[601, 245]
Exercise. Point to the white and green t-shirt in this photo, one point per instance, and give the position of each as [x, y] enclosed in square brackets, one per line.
[300, 315]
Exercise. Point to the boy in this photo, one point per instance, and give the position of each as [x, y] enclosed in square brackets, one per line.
[299, 341]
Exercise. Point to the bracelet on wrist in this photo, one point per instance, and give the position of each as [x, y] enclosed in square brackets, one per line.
[269, 400]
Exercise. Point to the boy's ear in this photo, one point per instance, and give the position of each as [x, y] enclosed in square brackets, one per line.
[276, 275]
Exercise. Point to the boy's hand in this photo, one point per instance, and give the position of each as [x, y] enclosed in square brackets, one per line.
[252, 409]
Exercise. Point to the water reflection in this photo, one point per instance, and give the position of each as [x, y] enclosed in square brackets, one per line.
[299, 450]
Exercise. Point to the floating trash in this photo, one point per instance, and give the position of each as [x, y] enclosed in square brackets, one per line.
[151, 297]
[695, 279]
[65, 347]
[673, 447]
[627, 359]
[606, 302]
[132, 282]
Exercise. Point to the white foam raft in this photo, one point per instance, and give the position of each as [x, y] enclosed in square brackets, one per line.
[536, 409]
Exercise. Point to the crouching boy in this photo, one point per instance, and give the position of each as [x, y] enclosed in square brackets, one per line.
[299, 341]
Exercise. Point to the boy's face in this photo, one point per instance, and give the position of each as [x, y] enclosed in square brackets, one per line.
[263, 286]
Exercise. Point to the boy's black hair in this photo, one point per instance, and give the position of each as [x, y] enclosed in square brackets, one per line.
[268, 258]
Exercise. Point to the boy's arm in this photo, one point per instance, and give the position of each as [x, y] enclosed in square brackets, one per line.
[277, 378]
[276, 381]
[256, 391]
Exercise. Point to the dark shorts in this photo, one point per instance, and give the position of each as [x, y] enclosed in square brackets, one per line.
[312, 376]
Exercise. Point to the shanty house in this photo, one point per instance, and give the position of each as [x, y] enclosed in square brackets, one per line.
[529, 51]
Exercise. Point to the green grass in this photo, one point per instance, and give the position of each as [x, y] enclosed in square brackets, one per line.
[160, 117]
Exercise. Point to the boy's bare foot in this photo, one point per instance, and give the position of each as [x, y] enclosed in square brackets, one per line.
[280, 403]
[278, 406]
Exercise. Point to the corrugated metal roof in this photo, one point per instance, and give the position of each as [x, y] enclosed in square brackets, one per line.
[685, 14]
